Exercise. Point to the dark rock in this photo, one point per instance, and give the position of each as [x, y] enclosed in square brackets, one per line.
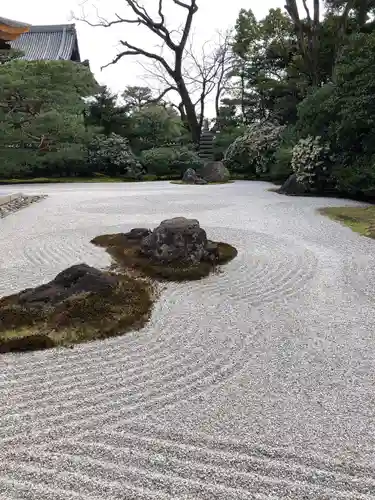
[215, 171]
[177, 239]
[137, 233]
[200, 181]
[75, 280]
[190, 176]
[292, 187]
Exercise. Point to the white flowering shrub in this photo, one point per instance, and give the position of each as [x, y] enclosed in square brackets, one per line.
[311, 162]
[112, 155]
[253, 152]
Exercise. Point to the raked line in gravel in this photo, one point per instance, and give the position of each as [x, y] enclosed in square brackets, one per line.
[257, 383]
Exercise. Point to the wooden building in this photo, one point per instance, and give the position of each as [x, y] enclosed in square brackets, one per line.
[50, 42]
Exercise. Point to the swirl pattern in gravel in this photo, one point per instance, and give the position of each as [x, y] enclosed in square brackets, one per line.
[256, 383]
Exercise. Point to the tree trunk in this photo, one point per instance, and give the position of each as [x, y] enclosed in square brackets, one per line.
[191, 115]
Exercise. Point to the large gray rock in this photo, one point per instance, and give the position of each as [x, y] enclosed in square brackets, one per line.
[73, 281]
[292, 187]
[177, 239]
[215, 171]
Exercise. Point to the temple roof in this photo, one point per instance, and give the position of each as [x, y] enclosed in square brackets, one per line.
[49, 42]
[13, 24]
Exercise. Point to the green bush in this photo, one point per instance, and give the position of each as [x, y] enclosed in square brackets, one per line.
[169, 161]
[224, 139]
[343, 114]
[281, 169]
[311, 162]
[112, 156]
[150, 177]
[356, 179]
[253, 153]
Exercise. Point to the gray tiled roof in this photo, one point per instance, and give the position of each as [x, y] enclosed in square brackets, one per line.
[48, 42]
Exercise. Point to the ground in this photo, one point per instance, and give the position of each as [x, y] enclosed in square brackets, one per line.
[360, 219]
[256, 383]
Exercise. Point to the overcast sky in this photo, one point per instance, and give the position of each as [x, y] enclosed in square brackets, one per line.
[100, 45]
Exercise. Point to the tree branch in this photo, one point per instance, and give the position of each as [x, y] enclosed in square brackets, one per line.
[160, 97]
[192, 9]
[136, 51]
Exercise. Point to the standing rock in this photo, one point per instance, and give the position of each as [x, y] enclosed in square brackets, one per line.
[190, 176]
[177, 239]
[215, 171]
[292, 187]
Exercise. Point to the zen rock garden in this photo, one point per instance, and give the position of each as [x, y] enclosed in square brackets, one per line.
[83, 303]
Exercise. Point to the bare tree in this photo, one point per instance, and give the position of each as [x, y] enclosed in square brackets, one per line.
[206, 74]
[176, 49]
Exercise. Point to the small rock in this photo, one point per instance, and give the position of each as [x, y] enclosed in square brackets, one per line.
[190, 176]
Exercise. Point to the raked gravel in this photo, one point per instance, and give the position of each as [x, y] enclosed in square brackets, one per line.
[255, 383]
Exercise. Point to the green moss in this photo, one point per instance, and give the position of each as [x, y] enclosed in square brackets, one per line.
[126, 253]
[77, 319]
[359, 219]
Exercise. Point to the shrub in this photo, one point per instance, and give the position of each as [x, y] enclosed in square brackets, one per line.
[253, 153]
[281, 169]
[311, 162]
[112, 155]
[358, 178]
[169, 161]
[223, 139]
[343, 114]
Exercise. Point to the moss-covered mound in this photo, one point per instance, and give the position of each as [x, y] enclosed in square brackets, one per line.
[181, 182]
[127, 254]
[80, 304]
[359, 219]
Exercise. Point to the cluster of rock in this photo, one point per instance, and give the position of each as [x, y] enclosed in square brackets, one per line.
[212, 171]
[177, 250]
[84, 303]
[17, 203]
[191, 177]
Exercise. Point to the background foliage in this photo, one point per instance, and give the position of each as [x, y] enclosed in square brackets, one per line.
[293, 102]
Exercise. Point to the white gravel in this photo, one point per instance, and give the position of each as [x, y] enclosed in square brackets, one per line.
[257, 383]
